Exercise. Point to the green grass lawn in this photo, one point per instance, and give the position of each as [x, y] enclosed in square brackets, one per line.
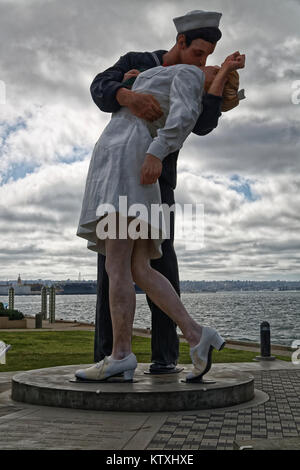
[38, 349]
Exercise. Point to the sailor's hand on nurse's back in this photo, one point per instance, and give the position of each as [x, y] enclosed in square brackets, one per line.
[145, 107]
[142, 105]
[131, 73]
[151, 169]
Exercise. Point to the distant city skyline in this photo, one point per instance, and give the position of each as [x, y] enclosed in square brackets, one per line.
[85, 279]
[75, 287]
[203, 281]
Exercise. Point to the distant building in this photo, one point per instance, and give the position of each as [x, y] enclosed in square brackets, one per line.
[19, 287]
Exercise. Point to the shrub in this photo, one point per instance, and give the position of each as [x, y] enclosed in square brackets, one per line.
[1, 306]
[12, 314]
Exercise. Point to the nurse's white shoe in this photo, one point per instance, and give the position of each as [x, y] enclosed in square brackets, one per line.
[109, 367]
[201, 353]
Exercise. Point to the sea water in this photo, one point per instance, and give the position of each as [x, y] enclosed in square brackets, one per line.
[236, 315]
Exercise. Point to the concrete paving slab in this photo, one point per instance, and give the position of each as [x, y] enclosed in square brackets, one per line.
[41, 427]
[292, 443]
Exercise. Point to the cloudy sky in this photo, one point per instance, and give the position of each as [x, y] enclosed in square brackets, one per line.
[246, 172]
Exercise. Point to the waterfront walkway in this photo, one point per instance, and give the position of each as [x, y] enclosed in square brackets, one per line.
[270, 420]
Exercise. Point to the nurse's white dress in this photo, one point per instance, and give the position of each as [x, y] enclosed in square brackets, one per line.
[121, 149]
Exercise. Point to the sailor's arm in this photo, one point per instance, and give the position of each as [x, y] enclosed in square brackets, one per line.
[110, 94]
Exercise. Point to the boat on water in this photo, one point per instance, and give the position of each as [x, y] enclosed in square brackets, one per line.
[74, 287]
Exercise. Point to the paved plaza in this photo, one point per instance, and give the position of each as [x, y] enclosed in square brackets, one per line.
[273, 416]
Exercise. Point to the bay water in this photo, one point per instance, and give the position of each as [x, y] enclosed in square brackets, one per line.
[236, 315]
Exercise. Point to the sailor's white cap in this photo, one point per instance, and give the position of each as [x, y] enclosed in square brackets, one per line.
[197, 19]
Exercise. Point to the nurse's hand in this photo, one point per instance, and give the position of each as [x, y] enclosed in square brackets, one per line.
[151, 169]
[234, 61]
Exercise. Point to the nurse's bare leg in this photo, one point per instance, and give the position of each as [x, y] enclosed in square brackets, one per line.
[122, 296]
[161, 291]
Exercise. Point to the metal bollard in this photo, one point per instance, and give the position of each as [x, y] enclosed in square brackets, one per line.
[52, 305]
[265, 343]
[44, 303]
[11, 298]
[39, 320]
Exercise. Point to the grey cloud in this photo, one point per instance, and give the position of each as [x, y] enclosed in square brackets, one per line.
[50, 52]
[33, 218]
[25, 251]
[64, 39]
[247, 146]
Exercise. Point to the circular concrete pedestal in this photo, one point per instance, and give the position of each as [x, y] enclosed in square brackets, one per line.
[55, 387]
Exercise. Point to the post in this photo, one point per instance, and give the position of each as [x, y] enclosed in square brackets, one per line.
[52, 305]
[265, 343]
[11, 298]
[44, 303]
[39, 320]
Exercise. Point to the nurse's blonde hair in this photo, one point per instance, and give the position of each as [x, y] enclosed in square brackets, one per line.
[231, 94]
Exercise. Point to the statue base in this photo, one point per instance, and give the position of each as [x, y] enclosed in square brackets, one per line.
[57, 386]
